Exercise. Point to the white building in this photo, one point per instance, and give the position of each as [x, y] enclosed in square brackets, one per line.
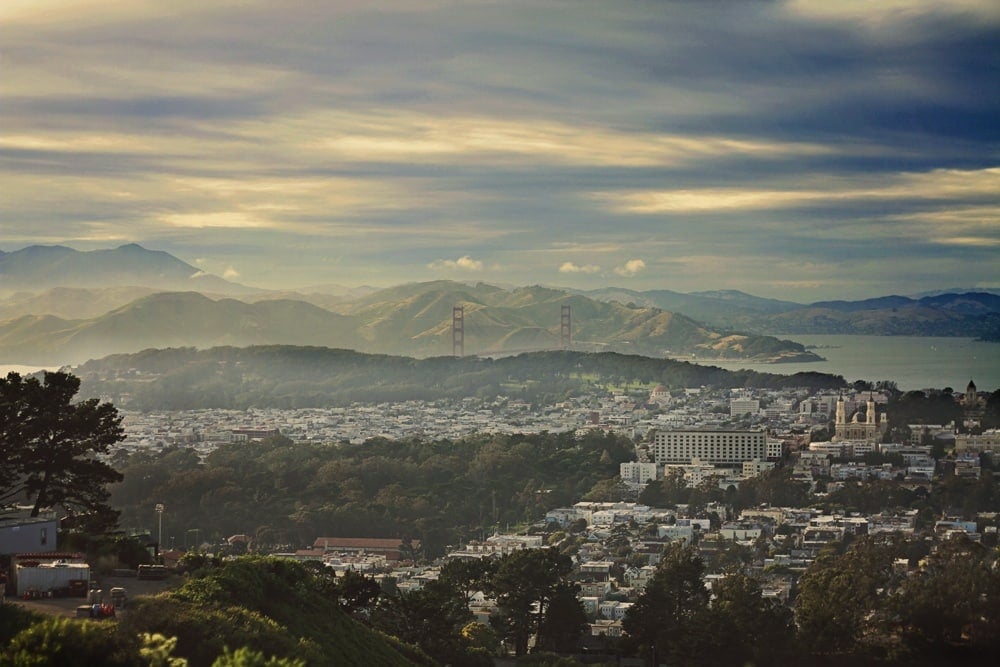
[638, 472]
[989, 441]
[715, 447]
[742, 405]
[682, 531]
[756, 467]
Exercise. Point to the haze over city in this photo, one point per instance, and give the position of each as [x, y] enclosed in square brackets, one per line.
[801, 150]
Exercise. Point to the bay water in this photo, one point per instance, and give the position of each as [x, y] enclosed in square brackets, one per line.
[912, 362]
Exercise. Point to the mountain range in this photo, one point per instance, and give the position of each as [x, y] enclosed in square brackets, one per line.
[40, 267]
[61, 306]
[974, 313]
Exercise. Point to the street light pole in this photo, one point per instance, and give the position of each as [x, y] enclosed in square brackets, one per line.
[159, 534]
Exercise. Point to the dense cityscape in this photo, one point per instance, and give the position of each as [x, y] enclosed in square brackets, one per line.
[766, 484]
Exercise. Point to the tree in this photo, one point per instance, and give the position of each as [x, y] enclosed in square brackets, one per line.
[752, 629]
[356, 593]
[467, 576]
[481, 636]
[991, 413]
[840, 594]
[524, 581]
[49, 445]
[564, 621]
[247, 657]
[669, 618]
[950, 607]
[431, 617]
[63, 641]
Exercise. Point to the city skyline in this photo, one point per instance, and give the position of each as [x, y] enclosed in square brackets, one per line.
[796, 150]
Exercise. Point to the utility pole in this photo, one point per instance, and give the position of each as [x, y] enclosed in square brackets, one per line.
[159, 532]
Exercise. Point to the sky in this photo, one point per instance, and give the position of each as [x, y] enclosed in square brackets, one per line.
[795, 149]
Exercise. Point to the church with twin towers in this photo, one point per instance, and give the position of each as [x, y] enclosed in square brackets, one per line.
[869, 427]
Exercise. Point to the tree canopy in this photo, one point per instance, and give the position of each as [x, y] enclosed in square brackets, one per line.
[49, 446]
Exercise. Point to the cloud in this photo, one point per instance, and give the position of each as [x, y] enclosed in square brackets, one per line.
[464, 263]
[394, 136]
[886, 13]
[943, 184]
[230, 273]
[361, 141]
[570, 267]
[229, 219]
[631, 268]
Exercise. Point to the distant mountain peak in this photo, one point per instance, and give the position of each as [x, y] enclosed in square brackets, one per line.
[38, 268]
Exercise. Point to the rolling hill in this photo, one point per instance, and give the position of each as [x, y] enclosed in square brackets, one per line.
[171, 319]
[967, 314]
[412, 320]
[59, 305]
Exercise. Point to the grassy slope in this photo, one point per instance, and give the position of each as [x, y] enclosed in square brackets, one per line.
[271, 605]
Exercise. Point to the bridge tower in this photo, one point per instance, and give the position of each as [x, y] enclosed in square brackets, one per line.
[566, 327]
[458, 331]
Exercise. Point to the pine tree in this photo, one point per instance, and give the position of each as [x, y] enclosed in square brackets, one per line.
[50, 445]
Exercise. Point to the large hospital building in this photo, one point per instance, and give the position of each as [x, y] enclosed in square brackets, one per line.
[727, 448]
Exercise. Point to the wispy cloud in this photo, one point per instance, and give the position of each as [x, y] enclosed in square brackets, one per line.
[939, 184]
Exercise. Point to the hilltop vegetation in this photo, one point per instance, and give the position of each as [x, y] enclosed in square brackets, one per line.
[284, 376]
[259, 608]
[439, 492]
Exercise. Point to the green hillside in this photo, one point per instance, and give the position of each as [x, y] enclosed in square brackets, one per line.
[413, 320]
[288, 376]
[273, 607]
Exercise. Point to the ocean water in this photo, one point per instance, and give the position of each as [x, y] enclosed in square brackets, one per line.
[913, 362]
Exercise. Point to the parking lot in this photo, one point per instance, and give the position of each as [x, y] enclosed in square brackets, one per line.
[67, 606]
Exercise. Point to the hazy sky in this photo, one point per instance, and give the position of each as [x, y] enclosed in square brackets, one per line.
[800, 149]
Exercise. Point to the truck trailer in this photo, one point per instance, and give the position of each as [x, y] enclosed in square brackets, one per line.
[56, 579]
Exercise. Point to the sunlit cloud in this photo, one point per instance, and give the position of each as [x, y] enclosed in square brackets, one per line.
[230, 219]
[230, 273]
[465, 263]
[939, 184]
[631, 268]
[876, 15]
[570, 267]
[399, 137]
[977, 241]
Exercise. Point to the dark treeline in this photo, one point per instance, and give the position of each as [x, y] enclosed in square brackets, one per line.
[852, 606]
[298, 377]
[438, 492]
